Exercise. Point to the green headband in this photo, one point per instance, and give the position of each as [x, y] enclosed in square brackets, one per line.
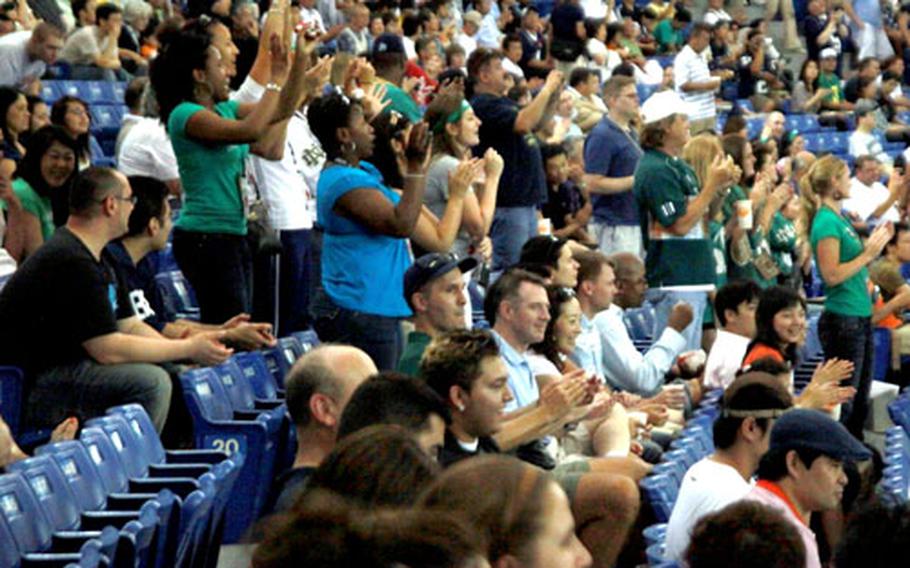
[454, 117]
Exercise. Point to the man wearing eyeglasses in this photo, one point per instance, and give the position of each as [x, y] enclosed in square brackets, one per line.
[70, 326]
[435, 291]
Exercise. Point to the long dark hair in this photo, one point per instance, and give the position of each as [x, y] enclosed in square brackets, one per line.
[171, 72]
[558, 296]
[773, 300]
[326, 115]
[30, 168]
[811, 87]
[58, 117]
[8, 97]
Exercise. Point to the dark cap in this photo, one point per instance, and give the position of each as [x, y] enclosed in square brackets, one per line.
[813, 430]
[431, 266]
[863, 108]
[388, 43]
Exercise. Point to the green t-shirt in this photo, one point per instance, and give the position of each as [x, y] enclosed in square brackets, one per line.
[663, 187]
[757, 243]
[409, 364]
[667, 37]
[850, 297]
[831, 81]
[403, 103]
[212, 175]
[782, 240]
[37, 205]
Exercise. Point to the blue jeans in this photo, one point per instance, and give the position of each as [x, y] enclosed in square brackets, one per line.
[379, 336]
[87, 389]
[664, 300]
[850, 338]
[511, 229]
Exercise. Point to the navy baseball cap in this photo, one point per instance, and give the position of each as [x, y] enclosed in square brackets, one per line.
[813, 430]
[388, 43]
[431, 266]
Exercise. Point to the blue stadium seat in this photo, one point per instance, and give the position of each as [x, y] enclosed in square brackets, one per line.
[51, 91]
[281, 358]
[214, 426]
[256, 370]
[106, 120]
[660, 491]
[177, 295]
[307, 339]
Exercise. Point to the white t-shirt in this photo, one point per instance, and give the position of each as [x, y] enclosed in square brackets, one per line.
[707, 487]
[862, 143]
[84, 45]
[15, 67]
[692, 67]
[512, 67]
[287, 186]
[467, 42]
[146, 151]
[865, 199]
[714, 16]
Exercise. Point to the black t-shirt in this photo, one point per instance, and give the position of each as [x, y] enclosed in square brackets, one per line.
[59, 298]
[453, 452]
[564, 19]
[851, 90]
[750, 84]
[522, 182]
[289, 486]
[139, 282]
[567, 199]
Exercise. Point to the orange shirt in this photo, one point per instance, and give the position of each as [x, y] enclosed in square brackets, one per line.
[760, 351]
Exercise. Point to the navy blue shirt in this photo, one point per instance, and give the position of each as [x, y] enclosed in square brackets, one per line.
[611, 152]
[523, 183]
[139, 282]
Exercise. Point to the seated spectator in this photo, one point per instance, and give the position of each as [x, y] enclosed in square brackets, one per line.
[568, 208]
[869, 68]
[886, 274]
[149, 227]
[134, 98]
[829, 79]
[523, 516]
[780, 322]
[511, 50]
[672, 210]
[716, 13]
[745, 534]
[25, 55]
[245, 34]
[66, 296]
[866, 140]
[757, 72]
[534, 45]
[735, 305]
[803, 471]
[605, 288]
[490, 33]
[355, 38]
[807, 95]
[869, 199]
[10, 452]
[319, 386]
[506, 127]
[325, 530]
[584, 86]
[39, 115]
[46, 175]
[435, 290]
[136, 19]
[14, 123]
[91, 50]
[467, 38]
[145, 150]
[72, 114]
[748, 410]
[555, 255]
[774, 128]
[669, 32]
[396, 399]
[603, 60]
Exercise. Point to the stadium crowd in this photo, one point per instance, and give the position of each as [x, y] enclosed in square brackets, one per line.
[532, 237]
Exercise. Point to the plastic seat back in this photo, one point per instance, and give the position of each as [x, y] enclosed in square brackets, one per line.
[125, 441]
[179, 298]
[106, 459]
[21, 512]
[256, 371]
[235, 385]
[307, 340]
[144, 431]
[205, 386]
[74, 460]
[50, 487]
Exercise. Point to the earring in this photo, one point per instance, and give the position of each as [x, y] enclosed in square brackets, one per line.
[460, 407]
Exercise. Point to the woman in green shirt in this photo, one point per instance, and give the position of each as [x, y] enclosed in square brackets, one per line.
[45, 176]
[845, 327]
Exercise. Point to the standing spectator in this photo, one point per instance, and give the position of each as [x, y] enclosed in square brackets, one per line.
[757, 75]
[366, 224]
[611, 156]
[694, 81]
[490, 33]
[567, 207]
[791, 37]
[535, 56]
[868, 29]
[584, 86]
[669, 32]
[92, 50]
[356, 37]
[568, 28]
[680, 265]
[390, 62]
[206, 128]
[869, 199]
[509, 129]
[824, 30]
[845, 327]
[245, 36]
[24, 56]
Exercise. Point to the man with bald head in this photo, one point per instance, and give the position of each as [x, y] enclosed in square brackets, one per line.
[319, 386]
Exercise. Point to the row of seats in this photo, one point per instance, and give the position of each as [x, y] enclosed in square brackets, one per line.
[115, 497]
[92, 92]
[896, 475]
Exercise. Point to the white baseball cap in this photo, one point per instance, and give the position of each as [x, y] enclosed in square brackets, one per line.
[828, 53]
[663, 104]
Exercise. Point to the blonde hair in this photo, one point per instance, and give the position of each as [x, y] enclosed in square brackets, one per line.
[700, 152]
[819, 183]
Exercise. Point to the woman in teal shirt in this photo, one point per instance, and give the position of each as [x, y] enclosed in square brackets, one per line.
[212, 136]
[845, 327]
[42, 188]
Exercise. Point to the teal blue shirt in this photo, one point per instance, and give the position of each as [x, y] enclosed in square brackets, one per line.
[850, 297]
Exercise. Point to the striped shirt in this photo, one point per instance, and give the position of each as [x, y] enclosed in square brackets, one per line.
[691, 67]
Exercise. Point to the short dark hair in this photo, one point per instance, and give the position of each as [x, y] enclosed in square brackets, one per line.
[105, 11]
[133, 95]
[700, 27]
[548, 151]
[509, 39]
[773, 465]
[422, 42]
[310, 375]
[746, 534]
[92, 186]
[616, 84]
[768, 365]
[151, 196]
[454, 358]
[391, 398]
[898, 229]
[506, 288]
[682, 15]
[580, 75]
[480, 58]
[755, 391]
[590, 264]
[732, 295]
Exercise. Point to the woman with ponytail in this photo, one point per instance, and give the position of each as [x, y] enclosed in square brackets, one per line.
[845, 327]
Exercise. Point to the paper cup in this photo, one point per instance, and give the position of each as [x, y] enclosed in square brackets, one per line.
[743, 209]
